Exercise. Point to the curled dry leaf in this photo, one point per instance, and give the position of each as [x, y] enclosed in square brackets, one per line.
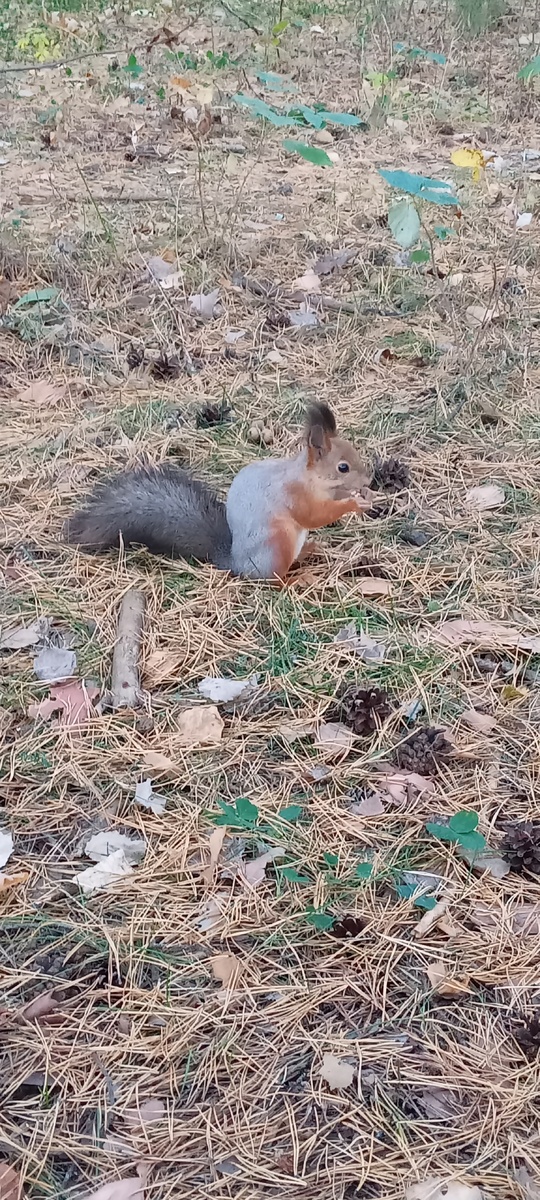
[402, 786]
[478, 316]
[430, 918]
[309, 282]
[215, 845]
[41, 394]
[226, 968]
[159, 762]
[54, 663]
[370, 806]
[334, 739]
[371, 586]
[337, 1073]
[72, 701]
[25, 635]
[200, 726]
[10, 1183]
[221, 691]
[205, 306]
[123, 1189]
[435, 1187]
[41, 1007]
[102, 844]
[444, 983]
[148, 798]
[109, 870]
[480, 721]
[6, 846]
[489, 634]
[488, 495]
[212, 915]
[523, 919]
[149, 1113]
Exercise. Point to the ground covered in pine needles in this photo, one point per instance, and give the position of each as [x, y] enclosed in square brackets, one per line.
[320, 979]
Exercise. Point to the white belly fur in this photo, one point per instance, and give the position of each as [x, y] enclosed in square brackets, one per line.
[302, 536]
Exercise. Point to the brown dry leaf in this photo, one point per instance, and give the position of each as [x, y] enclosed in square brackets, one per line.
[180, 81]
[148, 1113]
[201, 725]
[370, 806]
[430, 918]
[524, 919]
[374, 587]
[334, 739]
[42, 394]
[159, 762]
[489, 634]
[123, 1189]
[254, 871]
[215, 844]
[478, 316]
[226, 968]
[401, 786]
[309, 282]
[480, 721]
[11, 881]
[443, 983]
[485, 860]
[531, 1186]
[295, 731]
[318, 772]
[337, 1073]
[487, 495]
[42, 1006]
[72, 701]
[211, 917]
[10, 1183]
[435, 1187]
[438, 1104]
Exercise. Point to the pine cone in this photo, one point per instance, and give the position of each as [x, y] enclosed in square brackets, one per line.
[390, 475]
[212, 414]
[165, 367]
[527, 1036]
[347, 927]
[423, 750]
[364, 709]
[135, 357]
[276, 318]
[520, 847]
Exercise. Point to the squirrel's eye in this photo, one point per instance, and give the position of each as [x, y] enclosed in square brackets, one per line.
[343, 467]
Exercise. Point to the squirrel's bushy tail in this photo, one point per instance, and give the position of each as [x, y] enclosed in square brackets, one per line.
[162, 508]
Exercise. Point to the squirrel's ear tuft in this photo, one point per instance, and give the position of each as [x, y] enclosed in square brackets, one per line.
[320, 428]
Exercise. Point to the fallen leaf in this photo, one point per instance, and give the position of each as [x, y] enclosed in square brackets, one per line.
[123, 1189]
[489, 634]
[215, 844]
[223, 690]
[276, 359]
[485, 860]
[397, 124]
[10, 1183]
[430, 918]
[435, 1187]
[226, 968]
[253, 872]
[25, 635]
[443, 983]
[228, 1166]
[212, 914]
[205, 306]
[334, 260]
[102, 844]
[360, 643]
[172, 282]
[148, 1113]
[370, 806]
[147, 798]
[480, 721]
[41, 394]
[6, 846]
[511, 693]
[54, 663]
[397, 786]
[72, 701]
[523, 919]
[337, 1073]
[159, 269]
[11, 881]
[334, 738]
[531, 1186]
[478, 316]
[318, 772]
[466, 156]
[524, 219]
[235, 335]
[42, 1006]
[198, 726]
[8, 293]
[109, 870]
[309, 283]
[438, 1104]
[295, 730]
[303, 317]
[488, 495]
[159, 762]
[374, 587]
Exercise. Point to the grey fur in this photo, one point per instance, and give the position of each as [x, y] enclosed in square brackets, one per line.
[255, 496]
[162, 508]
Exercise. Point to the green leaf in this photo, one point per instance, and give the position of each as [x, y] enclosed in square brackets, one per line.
[228, 814]
[405, 890]
[260, 108]
[275, 82]
[339, 118]
[37, 297]
[293, 876]
[246, 811]
[472, 841]
[443, 232]
[444, 832]
[305, 114]
[434, 190]
[464, 821]
[292, 813]
[311, 153]
[320, 920]
[331, 860]
[404, 222]
[420, 256]
[531, 69]
[364, 870]
[427, 902]
[280, 28]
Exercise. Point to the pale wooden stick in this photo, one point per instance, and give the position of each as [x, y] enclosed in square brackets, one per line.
[126, 691]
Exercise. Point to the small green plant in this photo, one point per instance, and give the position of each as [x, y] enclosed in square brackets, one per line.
[462, 829]
[312, 154]
[405, 216]
[292, 875]
[132, 67]
[531, 70]
[409, 891]
[240, 815]
[318, 918]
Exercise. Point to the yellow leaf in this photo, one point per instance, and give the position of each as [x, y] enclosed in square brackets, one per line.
[180, 81]
[468, 157]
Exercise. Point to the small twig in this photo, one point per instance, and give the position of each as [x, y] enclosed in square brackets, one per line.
[268, 291]
[60, 62]
[125, 684]
[239, 17]
[197, 141]
[97, 210]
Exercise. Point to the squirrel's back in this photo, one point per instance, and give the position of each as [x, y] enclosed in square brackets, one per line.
[162, 508]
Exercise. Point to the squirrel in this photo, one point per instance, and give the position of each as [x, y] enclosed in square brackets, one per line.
[262, 529]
